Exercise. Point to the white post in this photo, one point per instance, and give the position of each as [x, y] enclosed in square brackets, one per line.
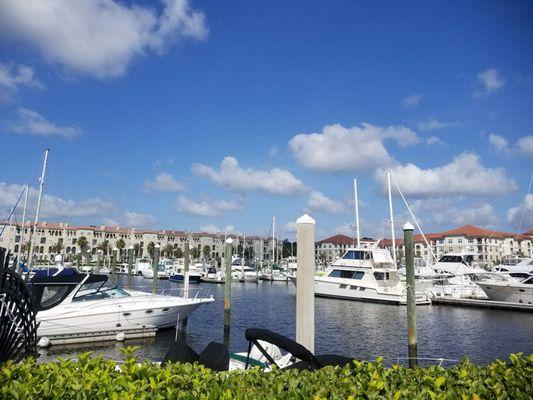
[41, 186]
[357, 232]
[391, 221]
[23, 228]
[242, 259]
[305, 282]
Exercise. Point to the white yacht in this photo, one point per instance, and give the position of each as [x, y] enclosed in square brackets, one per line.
[274, 274]
[519, 268]
[142, 265]
[84, 304]
[365, 274]
[212, 275]
[242, 272]
[509, 290]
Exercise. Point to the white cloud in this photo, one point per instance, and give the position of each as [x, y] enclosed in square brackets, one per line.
[290, 227]
[412, 101]
[525, 146]
[206, 207]
[464, 176]
[99, 37]
[344, 229]
[273, 152]
[215, 229]
[33, 123]
[499, 143]
[521, 216]
[491, 80]
[134, 219]
[482, 215]
[163, 182]
[13, 76]
[434, 141]
[53, 206]
[318, 202]
[434, 124]
[232, 177]
[337, 148]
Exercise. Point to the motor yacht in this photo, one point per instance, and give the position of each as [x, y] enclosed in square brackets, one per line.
[242, 272]
[509, 290]
[212, 275]
[82, 304]
[365, 274]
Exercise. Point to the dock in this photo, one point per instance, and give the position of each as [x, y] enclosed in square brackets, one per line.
[100, 336]
[499, 305]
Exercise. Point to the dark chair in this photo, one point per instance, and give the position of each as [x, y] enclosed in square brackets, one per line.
[215, 356]
[307, 359]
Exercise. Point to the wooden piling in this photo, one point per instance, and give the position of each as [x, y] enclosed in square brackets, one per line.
[411, 291]
[114, 264]
[155, 265]
[186, 256]
[130, 264]
[227, 290]
[305, 282]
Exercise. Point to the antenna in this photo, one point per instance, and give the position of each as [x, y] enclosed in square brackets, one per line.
[358, 235]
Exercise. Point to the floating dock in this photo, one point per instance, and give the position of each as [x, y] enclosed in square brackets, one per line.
[99, 336]
[500, 305]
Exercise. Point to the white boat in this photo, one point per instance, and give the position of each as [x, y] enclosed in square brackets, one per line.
[242, 272]
[509, 290]
[274, 275]
[365, 274]
[161, 272]
[142, 265]
[212, 275]
[519, 268]
[87, 304]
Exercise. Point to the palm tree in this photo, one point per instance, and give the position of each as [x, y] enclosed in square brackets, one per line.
[120, 246]
[151, 249]
[178, 252]
[168, 250]
[104, 246]
[136, 249]
[207, 251]
[195, 253]
[26, 249]
[82, 242]
[56, 248]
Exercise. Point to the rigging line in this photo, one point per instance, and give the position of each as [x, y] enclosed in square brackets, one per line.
[12, 212]
[414, 218]
[524, 204]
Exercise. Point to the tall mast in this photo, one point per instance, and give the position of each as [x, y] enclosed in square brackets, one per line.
[41, 186]
[391, 220]
[273, 240]
[27, 189]
[357, 232]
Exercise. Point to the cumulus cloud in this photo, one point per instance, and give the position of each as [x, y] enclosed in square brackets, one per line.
[434, 124]
[13, 77]
[491, 80]
[499, 143]
[215, 229]
[289, 227]
[482, 215]
[99, 37]
[206, 207]
[32, 123]
[163, 182]
[233, 177]
[130, 219]
[319, 203]
[525, 146]
[521, 216]
[338, 148]
[411, 101]
[464, 176]
[345, 229]
[53, 206]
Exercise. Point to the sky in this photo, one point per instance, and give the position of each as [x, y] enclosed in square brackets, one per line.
[217, 116]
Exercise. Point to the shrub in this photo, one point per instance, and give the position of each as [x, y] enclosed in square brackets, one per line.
[98, 378]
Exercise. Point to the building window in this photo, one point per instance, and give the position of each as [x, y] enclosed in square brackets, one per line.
[43, 240]
[449, 241]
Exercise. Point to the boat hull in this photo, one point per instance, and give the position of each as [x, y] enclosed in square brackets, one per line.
[501, 291]
[180, 278]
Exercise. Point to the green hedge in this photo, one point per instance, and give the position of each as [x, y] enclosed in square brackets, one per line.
[98, 378]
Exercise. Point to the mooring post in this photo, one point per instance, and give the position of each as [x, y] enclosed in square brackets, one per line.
[186, 256]
[305, 282]
[130, 263]
[98, 260]
[411, 290]
[155, 265]
[227, 289]
[114, 264]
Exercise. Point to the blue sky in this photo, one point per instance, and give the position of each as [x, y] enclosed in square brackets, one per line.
[206, 115]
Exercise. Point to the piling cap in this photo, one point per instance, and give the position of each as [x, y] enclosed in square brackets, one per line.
[229, 241]
[131, 248]
[305, 219]
[115, 249]
[157, 246]
[408, 227]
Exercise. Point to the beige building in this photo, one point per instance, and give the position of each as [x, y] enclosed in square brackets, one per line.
[48, 235]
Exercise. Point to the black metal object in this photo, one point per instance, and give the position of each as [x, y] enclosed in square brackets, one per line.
[307, 359]
[18, 325]
[215, 356]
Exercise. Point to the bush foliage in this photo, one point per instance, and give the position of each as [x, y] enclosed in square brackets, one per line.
[98, 378]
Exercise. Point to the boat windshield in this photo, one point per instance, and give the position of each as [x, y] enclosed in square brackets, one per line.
[451, 259]
[337, 273]
[356, 255]
[97, 291]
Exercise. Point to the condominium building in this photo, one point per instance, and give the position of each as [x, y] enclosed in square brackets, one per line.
[47, 236]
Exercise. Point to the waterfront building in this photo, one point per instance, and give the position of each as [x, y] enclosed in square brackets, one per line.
[49, 239]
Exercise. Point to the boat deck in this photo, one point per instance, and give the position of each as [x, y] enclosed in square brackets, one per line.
[501, 305]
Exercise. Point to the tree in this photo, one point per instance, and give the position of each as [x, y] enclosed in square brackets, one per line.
[195, 252]
[168, 250]
[56, 248]
[151, 249]
[121, 244]
[26, 249]
[239, 249]
[82, 242]
[136, 249]
[178, 252]
[104, 246]
[207, 252]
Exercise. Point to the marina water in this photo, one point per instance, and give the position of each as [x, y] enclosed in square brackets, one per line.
[361, 330]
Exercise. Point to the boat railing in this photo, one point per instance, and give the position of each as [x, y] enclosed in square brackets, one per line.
[193, 293]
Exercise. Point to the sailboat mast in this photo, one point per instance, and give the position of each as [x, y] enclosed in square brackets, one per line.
[41, 186]
[357, 232]
[27, 189]
[391, 220]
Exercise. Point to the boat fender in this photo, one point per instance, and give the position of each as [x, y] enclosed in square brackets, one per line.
[121, 336]
[44, 342]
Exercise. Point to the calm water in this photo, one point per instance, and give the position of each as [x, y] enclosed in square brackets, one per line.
[361, 330]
